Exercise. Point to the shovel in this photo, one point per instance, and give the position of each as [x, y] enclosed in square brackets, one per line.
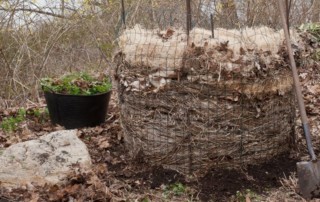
[308, 171]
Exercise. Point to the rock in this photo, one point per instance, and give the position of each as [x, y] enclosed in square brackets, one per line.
[47, 160]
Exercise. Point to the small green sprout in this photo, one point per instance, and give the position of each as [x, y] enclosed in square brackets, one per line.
[241, 196]
[10, 123]
[176, 189]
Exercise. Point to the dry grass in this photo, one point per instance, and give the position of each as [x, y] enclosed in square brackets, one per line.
[288, 192]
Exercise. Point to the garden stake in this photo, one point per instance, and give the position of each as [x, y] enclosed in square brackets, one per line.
[188, 3]
[212, 25]
[308, 171]
[123, 13]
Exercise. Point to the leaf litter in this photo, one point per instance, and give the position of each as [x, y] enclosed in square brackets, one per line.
[115, 177]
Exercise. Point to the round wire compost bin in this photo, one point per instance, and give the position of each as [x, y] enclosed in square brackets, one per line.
[207, 104]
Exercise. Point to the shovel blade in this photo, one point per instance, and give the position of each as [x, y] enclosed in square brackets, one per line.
[309, 179]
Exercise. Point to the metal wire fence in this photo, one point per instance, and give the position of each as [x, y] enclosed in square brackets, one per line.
[204, 84]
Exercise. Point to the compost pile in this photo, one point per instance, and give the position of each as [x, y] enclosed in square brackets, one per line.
[197, 103]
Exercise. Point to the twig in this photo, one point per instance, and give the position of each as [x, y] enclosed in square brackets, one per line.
[21, 84]
[135, 11]
[32, 11]
[219, 72]
[48, 50]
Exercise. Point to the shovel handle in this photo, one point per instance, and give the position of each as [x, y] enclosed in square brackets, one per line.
[296, 82]
[306, 131]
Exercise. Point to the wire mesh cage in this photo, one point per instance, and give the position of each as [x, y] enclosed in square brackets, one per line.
[194, 95]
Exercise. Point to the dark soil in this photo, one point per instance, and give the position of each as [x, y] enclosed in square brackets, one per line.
[216, 185]
[219, 185]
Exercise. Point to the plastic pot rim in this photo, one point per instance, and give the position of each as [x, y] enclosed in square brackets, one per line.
[52, 92]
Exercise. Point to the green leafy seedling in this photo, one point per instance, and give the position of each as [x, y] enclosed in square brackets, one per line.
[176, 189]
[241, 196]
[10, 123]
[145, 200]
[41, 114]
[77, 84]
[37, 113]
[312, 28]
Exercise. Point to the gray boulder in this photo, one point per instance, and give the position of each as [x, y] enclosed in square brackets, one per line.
[48, 159]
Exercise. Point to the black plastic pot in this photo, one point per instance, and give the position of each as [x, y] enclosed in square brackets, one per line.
[77, 111]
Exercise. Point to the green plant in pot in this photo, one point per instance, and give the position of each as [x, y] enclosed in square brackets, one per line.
[78, 99]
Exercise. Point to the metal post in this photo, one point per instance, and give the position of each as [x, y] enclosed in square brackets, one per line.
[288, 8]
[123, 14]
[188, 2]
[212, 25]
[62, 7]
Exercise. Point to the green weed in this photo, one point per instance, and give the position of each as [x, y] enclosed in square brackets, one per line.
[41, 114]
[241, 196]
[176, 189]
[312, 28]
[37, 113]
[10, 123]
[145, 200]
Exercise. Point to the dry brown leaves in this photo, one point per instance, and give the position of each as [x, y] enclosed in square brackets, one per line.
[109, 160]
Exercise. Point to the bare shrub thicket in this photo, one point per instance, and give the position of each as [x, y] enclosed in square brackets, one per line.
[39, 38]
[37, 42]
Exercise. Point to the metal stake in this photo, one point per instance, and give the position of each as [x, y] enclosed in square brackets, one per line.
[212, 25]
[123, 13]
[188, 2]
[288, 8]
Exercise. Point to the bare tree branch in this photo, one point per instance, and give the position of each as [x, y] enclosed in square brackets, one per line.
[33, 11]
